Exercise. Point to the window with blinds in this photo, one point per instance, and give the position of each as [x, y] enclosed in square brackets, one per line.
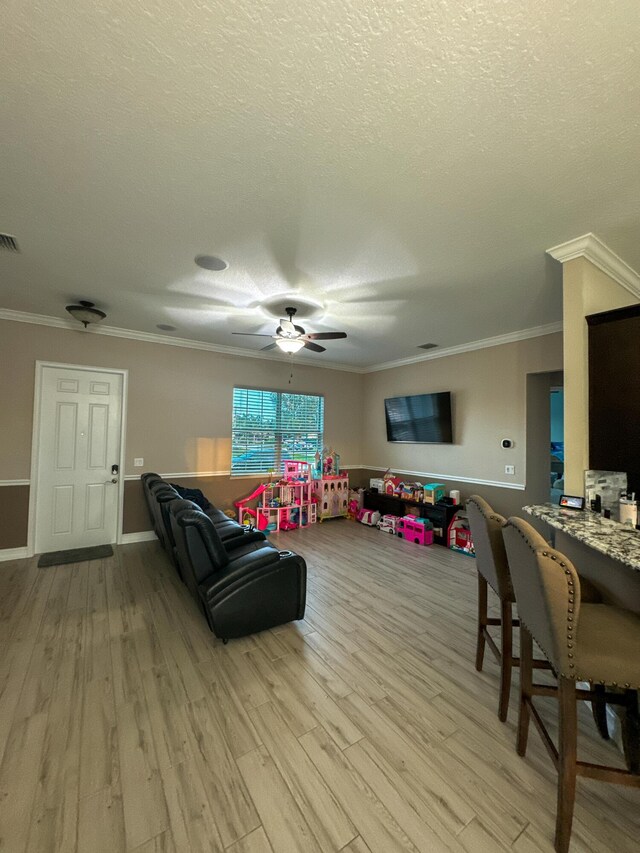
[269, 426]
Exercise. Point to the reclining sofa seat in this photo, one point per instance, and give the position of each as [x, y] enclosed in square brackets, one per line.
[161, 494]
[241, 593]
[148, 480]
[235, 545]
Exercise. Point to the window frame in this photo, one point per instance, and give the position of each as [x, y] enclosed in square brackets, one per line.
[279, 453]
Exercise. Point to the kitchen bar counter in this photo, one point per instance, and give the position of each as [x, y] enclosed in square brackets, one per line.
[602, 534]
[605, 552]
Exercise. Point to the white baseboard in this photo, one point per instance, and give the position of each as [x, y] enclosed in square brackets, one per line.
[13, 554]
[141, 536]
[127, 539]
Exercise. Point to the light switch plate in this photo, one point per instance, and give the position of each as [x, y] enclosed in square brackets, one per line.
[138, 463]
[509, 469]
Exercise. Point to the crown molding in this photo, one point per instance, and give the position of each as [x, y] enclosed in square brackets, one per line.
[485, 343]
[166, 340]
[600, 255]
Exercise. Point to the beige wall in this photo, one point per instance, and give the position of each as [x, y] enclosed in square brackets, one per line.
[488, 398]
[586, 290]
[179, 411]
[179, 400]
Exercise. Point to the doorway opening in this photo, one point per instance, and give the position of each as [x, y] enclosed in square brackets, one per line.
[556, 427]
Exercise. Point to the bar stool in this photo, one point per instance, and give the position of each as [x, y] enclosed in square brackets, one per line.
[598, 643]
[493, 570]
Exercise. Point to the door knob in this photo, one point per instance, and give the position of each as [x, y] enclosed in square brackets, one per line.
[113, 480]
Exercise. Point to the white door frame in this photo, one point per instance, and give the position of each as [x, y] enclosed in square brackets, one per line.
[35, 445]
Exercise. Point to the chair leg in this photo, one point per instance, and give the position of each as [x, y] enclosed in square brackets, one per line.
[482, 621]
[506, 661]
[631, 732]
[526, 682]
[599, 710]
[567, 756]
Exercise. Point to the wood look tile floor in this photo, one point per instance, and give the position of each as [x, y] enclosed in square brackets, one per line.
[126, 726]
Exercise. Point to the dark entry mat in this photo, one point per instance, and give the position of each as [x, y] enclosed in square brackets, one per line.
[76, 555]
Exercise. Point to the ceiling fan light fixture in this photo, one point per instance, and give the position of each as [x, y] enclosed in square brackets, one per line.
[290, 345]
[85, 312]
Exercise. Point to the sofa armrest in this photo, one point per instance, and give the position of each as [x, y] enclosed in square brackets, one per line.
[248, 537]
[255, 564]
[258, 599]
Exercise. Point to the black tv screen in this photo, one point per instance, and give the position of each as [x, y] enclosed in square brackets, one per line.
[420, 419]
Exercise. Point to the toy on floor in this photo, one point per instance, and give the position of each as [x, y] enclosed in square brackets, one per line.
[370, 517]
[459, 535]
[388, 524]
[415, 529]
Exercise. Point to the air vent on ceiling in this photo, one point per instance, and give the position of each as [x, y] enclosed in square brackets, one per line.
[8, 243]
[427, 346]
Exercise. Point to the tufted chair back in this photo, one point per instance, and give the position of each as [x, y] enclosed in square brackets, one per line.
[547, 591]
[491, 557]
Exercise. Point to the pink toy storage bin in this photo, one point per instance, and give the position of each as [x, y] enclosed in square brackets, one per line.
[414, 531]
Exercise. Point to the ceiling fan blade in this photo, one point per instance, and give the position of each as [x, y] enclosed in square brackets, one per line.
[326, 336]
[314, 347]
[268, 346]
[252, 334]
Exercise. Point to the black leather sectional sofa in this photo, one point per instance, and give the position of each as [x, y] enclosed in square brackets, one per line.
[240, 581]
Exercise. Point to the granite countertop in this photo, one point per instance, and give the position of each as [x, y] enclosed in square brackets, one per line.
[602, 534]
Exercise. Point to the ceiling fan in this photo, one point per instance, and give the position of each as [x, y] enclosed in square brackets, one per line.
[291, 338]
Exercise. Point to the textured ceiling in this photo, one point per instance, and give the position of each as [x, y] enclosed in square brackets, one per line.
[404, 164]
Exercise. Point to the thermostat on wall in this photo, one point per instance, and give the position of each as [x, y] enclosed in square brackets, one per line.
[506, 443]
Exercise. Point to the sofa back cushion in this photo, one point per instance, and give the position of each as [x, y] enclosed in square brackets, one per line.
[205, 550]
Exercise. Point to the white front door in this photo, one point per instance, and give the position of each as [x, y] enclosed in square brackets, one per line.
[79, 436]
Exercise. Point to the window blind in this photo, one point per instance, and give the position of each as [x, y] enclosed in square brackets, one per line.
[269, 426]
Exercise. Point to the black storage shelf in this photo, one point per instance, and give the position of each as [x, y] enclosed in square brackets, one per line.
[439, 515]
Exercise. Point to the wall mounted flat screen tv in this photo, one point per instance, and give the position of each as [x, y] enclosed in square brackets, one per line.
[420, 419]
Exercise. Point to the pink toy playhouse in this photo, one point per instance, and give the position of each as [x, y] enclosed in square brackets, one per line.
[414, 529]
[284, 505]
[298, 472]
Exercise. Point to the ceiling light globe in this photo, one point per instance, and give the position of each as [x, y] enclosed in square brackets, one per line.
[85, 313]
[289, 345]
